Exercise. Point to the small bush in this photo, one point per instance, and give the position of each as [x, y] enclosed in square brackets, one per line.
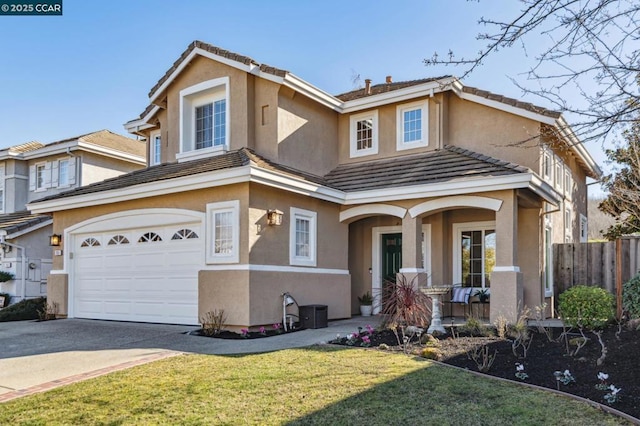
[431, 353]
[6, 276]
[24, 310]
[586, 307]
[631, 297]
[213, 322]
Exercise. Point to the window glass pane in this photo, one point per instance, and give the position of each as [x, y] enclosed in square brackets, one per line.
[478, 257]
[63, 173]
[412, 126]
[204, 124]
[302, 237]
[219, 124]
[489, 255]
[39, 176]
[157, 146]
[364, 134]
[223, 240]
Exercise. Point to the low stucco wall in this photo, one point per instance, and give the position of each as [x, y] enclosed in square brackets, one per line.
[58, 292]
[253, 298]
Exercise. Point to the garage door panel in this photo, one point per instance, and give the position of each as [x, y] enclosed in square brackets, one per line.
[153, 281]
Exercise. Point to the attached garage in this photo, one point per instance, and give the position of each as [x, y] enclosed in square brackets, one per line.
[128, 272]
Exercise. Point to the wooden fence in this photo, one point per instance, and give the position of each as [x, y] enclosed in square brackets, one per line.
[607, 265]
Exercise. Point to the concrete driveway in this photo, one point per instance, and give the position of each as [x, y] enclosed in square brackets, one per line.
[37, 356]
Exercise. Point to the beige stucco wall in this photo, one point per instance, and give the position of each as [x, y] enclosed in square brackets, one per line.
[202, 69]
[270, 245]
[96, 168]
[307, 134]
[58, 292]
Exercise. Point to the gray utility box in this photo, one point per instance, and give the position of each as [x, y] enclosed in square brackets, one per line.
[313, 316]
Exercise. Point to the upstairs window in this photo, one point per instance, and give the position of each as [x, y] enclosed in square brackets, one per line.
[411, 125]
[41, 174]
[155, 155]
[568, 183]
[364, 134]
[204, 119]
[63, 173]
[547, 167]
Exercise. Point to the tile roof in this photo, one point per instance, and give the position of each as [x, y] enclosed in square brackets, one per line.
[18, 221]
[437, 166]
[443, 165]
[216, 51]
[511, 101]
[167, 171]
[385, 87]
[108, 139]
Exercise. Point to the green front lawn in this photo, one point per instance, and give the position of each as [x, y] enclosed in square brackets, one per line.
[300, 386]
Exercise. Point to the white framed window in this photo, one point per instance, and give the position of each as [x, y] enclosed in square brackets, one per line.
[63, 172]
[558, 174]
[584, 228]
[474, 253]
[155, 149]
[568, 224]
[363, 134]
[41, 174]
[2, 188]
[547, 277]
[204, 119]
[412, 125]
[223, 232]
[547, 166]
[568, 183]
[303, 237]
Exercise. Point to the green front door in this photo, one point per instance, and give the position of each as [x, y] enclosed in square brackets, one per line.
[391, 261]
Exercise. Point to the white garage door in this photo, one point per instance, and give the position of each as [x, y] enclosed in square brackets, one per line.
[145, 274]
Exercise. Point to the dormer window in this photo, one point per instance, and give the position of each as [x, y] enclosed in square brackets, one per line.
[204, 119]
[364, 134]
[412, 128]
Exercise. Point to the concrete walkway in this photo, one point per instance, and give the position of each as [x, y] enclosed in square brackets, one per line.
[38, 356]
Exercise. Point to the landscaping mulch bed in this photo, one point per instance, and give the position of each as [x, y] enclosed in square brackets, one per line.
[226, 334]
[544, 357]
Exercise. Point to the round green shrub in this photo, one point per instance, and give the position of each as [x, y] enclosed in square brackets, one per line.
[586, 307]
[631, 297]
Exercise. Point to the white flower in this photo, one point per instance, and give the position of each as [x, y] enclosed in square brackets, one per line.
[338, 335]
[349, 336]
[519, 367]
[567, 373]
[614, 390]
[602, 376]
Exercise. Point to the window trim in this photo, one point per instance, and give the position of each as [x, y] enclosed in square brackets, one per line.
[559, 174]
[568, 224]
[312, 217]
[568, 183]
[44, 177]
[353, 142]
[457, 229]
[153, 149]
[423, 106]
[194, 96]
[584, 228]
[547, 273]
[546, 161]
[223, 207]
[67, 184]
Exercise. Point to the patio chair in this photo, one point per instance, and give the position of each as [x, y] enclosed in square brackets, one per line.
[459, 296]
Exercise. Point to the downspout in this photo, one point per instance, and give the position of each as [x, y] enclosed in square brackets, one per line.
[23, 258]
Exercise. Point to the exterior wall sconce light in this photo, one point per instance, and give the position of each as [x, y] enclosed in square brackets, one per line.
[274, 217]
[55, 240]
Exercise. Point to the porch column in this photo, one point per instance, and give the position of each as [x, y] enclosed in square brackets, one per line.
[412, 250]
[506, 278]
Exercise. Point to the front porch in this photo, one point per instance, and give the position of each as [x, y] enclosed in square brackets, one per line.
[471, 241]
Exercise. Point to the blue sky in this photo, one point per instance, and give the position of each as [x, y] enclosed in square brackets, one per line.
[92, 68]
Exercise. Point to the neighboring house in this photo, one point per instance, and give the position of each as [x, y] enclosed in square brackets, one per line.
[428, 178]
[33, 170]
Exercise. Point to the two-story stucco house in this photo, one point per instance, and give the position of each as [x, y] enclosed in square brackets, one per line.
[261, 183]
[33, 170]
